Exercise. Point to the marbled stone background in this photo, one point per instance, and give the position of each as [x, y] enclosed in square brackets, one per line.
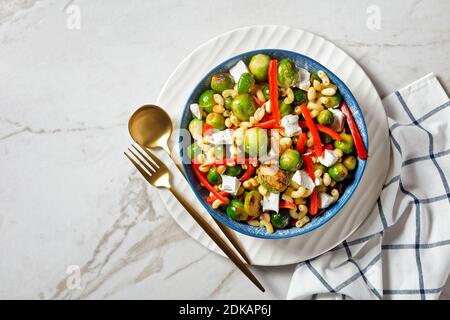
[67, 194]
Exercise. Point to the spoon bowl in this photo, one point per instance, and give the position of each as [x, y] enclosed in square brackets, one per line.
[150, 126]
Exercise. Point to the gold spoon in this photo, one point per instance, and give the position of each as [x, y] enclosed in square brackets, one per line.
[150, 126]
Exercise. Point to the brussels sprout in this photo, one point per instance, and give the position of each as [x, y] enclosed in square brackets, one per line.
[346, 145]
[334, 100]
[315, 76]
[259, 65]
[266, 92]
[272, 178]
[206, 100]
[196, 127]
[216, 120]
[236, 210]
[219, 152]
[228, 101]
[256, 142]
[193, 151]
[243, 106]
[221, 81]
[290, 160]
[245, 83]
[338, 172]
[325, 117]
[285, 109]
[287, 74]
[326, 139]
[350, 163]
[233, 171]
[280, 220]
[213, 176]
[299, 97]
[252, 203]
[319, 166]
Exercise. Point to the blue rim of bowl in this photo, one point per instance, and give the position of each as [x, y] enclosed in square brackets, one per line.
[316, 221]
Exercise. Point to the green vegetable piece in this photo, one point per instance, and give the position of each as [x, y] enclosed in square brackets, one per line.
[256, 142]
[290, 160]
[228, 102]
[280, 220]
[243, 106]
[213, 176]
[346, 145]
[325, 138]
[338, 172]
[236, 210]
[219, 152]
[315, 76]
[206, 100]
[195, 128]
[325, 117]
[252, 203]
[193, 151]
[266, 92]
[287, 74]
[272, 178]
[350, 163]
[233, 171]
[259, 65]
[285, 109]
[221, 82]
[300, 97]
[245, 83]
[216, 120]
[334, 100]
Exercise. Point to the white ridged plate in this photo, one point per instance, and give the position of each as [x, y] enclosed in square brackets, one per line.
[293, 250]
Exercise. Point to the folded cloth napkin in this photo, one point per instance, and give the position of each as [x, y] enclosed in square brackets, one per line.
[402, 249]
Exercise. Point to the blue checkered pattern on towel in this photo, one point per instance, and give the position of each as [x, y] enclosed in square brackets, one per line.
[402, 250]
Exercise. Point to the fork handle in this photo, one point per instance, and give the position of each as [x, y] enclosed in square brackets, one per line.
[216, 238]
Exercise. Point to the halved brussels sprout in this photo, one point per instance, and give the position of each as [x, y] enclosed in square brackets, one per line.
[259, 65]
[350, 163]
[300, 97]
[338, 172]
[243, 106]
[213, 176]
[290, 160]
[272, 178]
[287, 73]
[216, 120]
[233, 171]
[221, 82]
[206, 100]
[334, 100]
[236, 210]
[252, 203]
[256, 142]
[346, 145]
[325, 117]
[280, 220]
[195, 128]
[193, 151]
[245, 83]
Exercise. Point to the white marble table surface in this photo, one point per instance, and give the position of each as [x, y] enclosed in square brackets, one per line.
[68, 197]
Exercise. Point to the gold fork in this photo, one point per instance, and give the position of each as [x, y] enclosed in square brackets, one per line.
[157, 174]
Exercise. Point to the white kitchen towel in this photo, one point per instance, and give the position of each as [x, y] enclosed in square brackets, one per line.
[402, 250]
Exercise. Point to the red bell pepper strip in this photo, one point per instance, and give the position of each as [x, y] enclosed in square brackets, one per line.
[301, 142]
[287, 205]
[359, 143]
[207, 129]
[313, 129]
[204, 181]
[273, 89]
[333, 134]
[313, 198]
[247, 174]
[328, 147]
[258, 102]
[212, 198]
[271, 124]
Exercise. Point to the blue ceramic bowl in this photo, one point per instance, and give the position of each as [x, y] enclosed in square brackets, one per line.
[201, 192]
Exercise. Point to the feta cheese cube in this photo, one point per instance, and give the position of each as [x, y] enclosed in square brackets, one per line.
[237, 70]
[302, 178]
[222, 137]
[271, 202]
[304, 77]
[328, 159]
[338, 120]
[325, 200]
[195, 109]
[230, 184]
[290, 124]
